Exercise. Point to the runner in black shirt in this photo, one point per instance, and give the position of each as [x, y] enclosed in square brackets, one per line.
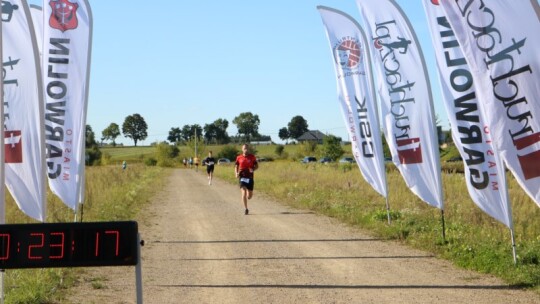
[209, 162]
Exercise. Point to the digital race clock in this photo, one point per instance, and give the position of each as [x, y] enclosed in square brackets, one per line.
[68, 244]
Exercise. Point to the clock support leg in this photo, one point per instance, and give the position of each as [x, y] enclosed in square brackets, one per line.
[138, 271]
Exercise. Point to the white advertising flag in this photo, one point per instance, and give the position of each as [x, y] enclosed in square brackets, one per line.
[406, 102]
[23, 111]
[500, 42]
[484, 171]
[67, 37]
[353, 73]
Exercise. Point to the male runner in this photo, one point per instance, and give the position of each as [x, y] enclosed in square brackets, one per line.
[245, 165]
[209, 162]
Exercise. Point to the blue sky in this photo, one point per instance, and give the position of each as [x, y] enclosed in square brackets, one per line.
[192, 62]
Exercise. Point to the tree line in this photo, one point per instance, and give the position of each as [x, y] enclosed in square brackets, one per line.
[247, 124]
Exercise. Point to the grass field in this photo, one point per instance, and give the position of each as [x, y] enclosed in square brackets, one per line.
[129, 154]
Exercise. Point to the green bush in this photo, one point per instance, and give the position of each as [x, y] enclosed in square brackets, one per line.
[279, 150]
[93, 156]
[331, 147]
[150, 161]
[106, 159]
[166, 154]
[308, 148]
[229, 152]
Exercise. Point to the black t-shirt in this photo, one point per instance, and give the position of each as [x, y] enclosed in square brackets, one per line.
[209, 161]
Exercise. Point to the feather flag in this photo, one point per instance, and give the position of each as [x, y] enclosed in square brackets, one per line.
[24, 140]
[484, 171]
[406, 101]
[67, 39]
[500, 42]
[355, 89]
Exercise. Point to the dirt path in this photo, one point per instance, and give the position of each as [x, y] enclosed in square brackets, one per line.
[200, 248]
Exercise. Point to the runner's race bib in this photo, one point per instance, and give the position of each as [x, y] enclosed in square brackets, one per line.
[244, 180]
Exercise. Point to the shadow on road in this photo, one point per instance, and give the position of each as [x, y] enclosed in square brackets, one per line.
[464, 287]
[265, 241]
[314, 258]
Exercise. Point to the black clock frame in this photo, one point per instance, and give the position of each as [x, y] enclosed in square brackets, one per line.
[69, 245]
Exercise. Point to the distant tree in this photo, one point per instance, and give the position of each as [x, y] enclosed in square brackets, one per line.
[111, 133]
[175, 135]
[94, 156]
[297, 127]
[331, 147]
[222, 135]
[217, 132]
[135, 127]
[247, 124]
[90, 137]
[92, 152]
[210, 133]
[283, 133]
[188, 132]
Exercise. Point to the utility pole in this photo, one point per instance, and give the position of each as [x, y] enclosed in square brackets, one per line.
[195, 142]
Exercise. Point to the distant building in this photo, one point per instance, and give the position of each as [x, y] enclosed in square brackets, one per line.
[266, 142]
[312, 136]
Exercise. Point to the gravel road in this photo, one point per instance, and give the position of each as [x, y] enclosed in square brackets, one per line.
[201, 248]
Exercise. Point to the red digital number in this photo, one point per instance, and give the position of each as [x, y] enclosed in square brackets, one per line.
[5, 238]
[60, 245]
[40, 245]
[97, 243]
[116, 233]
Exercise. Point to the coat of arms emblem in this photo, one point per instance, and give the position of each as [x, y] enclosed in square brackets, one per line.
[64, 15]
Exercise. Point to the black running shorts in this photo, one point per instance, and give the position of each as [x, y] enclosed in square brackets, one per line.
[247, 183]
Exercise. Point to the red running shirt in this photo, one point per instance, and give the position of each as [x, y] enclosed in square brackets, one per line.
[245, 163]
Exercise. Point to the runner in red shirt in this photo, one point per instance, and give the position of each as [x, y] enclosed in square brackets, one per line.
[245, 165]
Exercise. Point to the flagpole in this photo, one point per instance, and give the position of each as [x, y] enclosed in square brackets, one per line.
[510, 220]
[443, 226]
[513, 245]
[388, 211]
[2, 162]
